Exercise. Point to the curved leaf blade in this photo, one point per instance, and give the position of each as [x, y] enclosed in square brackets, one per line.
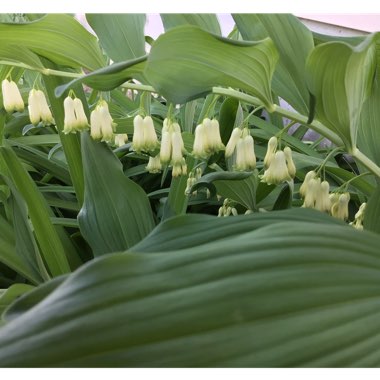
[186, 62]
[207, 21]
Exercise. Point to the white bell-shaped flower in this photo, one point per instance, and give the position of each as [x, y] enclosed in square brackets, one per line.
[70, 120]
[106, 122]
[166, 147]
[277, 171]
[271, 150]
[95, 123]
[154, 164]
[312, 192]
[12, 99]
[120, 139]
[339, 209]
[80, 115]
[45, 113]
[138, 134]
[304, 187]
[322, 201]
[250, 157]
[240, 159]
[177, 144]
[150, 136]
[289, 162]
[200, 147]
[231, 145]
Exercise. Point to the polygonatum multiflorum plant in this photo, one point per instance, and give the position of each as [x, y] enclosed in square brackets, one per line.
[193, 200]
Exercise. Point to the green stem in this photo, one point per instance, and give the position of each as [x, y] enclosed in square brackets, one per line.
[139, 87]
[315, 125]
[43, 71]
[368, 163]
[331, 154]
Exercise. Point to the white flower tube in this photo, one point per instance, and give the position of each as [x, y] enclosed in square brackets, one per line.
[271, 150]
[176, 148]
[81, 118]
[322, 201]
[289, 162]
[70, 121]
[154, 164]
[200, 142]
[277, 171]
[95, 124]
[12, 99]
[106, 122]
[120, 139]
[166, 147]
[150, 136]
[240, 161]
[250, 157]
[138, 134]
[45, 113]
[231, 145]
[34, 107]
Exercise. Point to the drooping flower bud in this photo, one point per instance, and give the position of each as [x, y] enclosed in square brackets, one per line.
[166, 147]
[339, 209]
[277, 171]
[289, 162]
[120, 139]
[250, 157]
[231, 145]
[322, 201]
[102, 126]
[138, 134]
[154, 164]
[38, 108]
[200, 142]
[179, 168]
[359, 217]
[70, 120]
[12, 99]
[303, 189]
[80, 115]
[271, 150]
[150, 136]
[177, 146]
[312, 192]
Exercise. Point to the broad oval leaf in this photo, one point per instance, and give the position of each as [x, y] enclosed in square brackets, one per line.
[340, 76]
[121, 35]
[207, 21]
[116, 213]
[274, 297]
[58, 37]
[186, 62]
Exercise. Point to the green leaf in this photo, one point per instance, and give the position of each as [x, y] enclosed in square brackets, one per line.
[58, 37]
[372, 212]
[11, 294]
[108, 78]
[293, 41]
[121, 35]
[186, 62]
[227, 117]
[116, 213]
[285, 198]
[340, 77]
[39, 213]
[207, 21]
[251, 300]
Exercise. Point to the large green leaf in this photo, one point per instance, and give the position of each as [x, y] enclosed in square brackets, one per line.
[121, 35]
[279, 296]
[340, 77]
[58, 37]
[186, 62]
[116, 213]
[206, 21]
[372, 212]
[47, 236]
[293, 41]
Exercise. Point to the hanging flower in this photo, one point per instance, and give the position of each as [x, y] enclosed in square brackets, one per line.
[359, 217]
[271, 150]
[75, 117]
[38, 108]
[207, 139]
[227, 209]
[231, 145]
[120, 139]
[173, 148]
[339, 208]
[305, 185]
[102, 126]
[192, 180]
[289, 162]
[322, 200]
[12, 99]
[154, 164]
[144, 135]
[277, 171]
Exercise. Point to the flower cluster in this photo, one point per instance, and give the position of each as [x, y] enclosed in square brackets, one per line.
[38, 108]
[12, 99]
[359, 217]
[191, 181]
[102, 126]
[279, 164]
[241, 145]
[144, 134]
[316, 194]
[75, 117]
[207, 139]
[172, 148]
[227, 209]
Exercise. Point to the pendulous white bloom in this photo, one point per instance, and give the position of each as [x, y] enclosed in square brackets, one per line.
[231, 145]
[172, 148]
[311, 192]
[359, 217]
[271, 150]
[277, 171]
[154, 164]
[289, 162]
[200, 142]
[120, 139]
[339, 208]
[70, 120]
[102, 126]
[12, 99]
[304, 187]
[144, 134]
[322, 201]
[227, 209]
[82, 121]
[38, 108]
